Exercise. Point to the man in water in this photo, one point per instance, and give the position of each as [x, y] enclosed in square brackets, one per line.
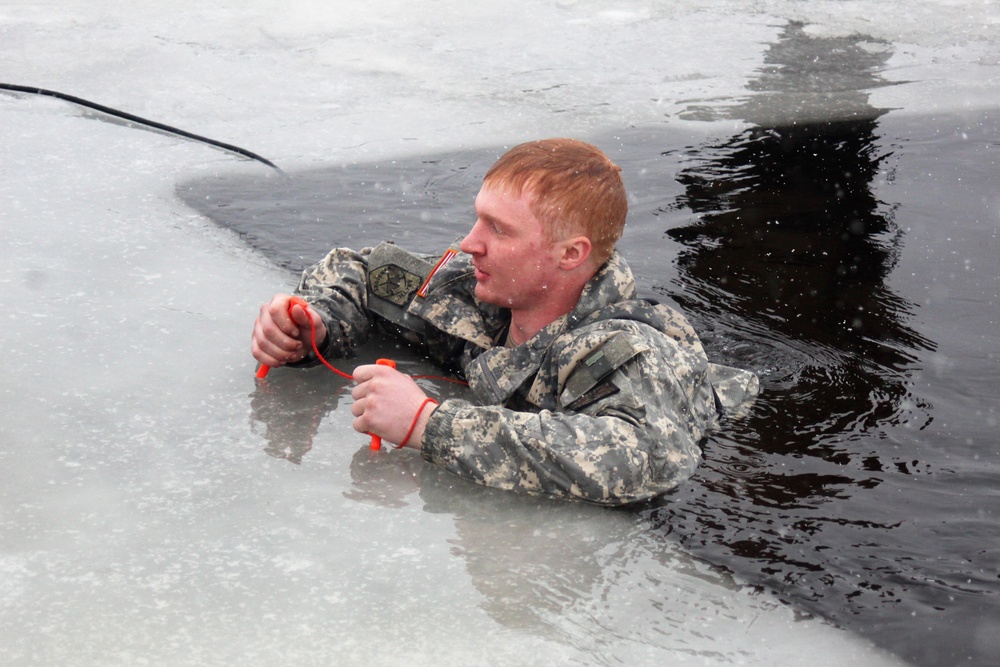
[578, 388]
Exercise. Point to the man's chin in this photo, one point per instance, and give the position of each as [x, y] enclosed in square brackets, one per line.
[486, 296]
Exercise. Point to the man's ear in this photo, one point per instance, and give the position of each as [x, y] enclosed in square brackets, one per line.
[575, 252]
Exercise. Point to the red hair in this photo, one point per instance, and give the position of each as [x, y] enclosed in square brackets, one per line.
[575, 189]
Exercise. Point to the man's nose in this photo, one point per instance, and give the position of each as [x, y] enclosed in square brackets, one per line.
[470, 244]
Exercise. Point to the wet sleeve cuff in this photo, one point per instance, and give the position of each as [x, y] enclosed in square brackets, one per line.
[310, 359]
[439, 431]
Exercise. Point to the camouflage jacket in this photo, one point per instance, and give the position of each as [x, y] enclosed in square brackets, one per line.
[606, 404]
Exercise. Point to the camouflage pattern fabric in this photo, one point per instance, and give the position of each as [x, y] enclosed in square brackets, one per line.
[607, 404]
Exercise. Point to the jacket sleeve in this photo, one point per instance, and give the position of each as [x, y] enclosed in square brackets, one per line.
[637, 438]
[336, 287]
[357, 292]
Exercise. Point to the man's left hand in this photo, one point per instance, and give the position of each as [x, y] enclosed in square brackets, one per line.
[386, 404]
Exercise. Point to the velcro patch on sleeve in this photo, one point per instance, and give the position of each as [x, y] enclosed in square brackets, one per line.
[602, 390]
[394, 284]
[596, 366]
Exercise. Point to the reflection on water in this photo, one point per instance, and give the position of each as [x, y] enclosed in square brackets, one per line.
[290, 407]
[531, 558]
[596, 580]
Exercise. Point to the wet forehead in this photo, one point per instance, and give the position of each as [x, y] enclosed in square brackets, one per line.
[499, 203]
[505, 206]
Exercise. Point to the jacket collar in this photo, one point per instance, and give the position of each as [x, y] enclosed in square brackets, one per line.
[503, 370]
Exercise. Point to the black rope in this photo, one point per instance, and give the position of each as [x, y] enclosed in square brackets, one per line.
[142, 121]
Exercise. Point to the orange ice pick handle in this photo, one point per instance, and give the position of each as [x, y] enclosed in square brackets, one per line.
[377, 441]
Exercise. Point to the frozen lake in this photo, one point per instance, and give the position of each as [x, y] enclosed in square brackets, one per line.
[814, 184]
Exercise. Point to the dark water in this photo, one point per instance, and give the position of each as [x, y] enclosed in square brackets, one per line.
[864, 485]
[844, 252]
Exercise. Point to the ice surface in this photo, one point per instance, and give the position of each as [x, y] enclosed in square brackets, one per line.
[141, 519]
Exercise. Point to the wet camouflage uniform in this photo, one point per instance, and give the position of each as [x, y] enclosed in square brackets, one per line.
[606, 404]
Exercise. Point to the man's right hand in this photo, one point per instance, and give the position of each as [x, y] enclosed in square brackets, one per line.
[281, 336]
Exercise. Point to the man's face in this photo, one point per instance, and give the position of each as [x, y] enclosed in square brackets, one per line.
[514, 262]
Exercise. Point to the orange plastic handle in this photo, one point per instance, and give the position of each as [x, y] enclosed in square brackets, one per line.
[377, 441]
[294, 301]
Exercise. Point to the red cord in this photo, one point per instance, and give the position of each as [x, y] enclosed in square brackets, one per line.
[376, 441]
[298, 301]
[312, 339]
[416, 418]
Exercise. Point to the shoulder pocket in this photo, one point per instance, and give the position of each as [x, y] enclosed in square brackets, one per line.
[598, 364]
